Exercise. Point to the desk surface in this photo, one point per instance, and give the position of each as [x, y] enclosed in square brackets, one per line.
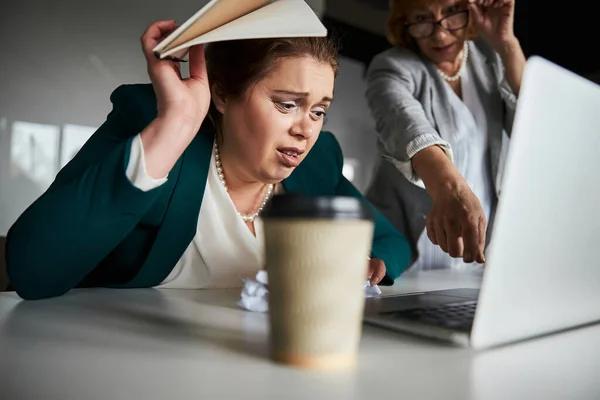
[192, 344]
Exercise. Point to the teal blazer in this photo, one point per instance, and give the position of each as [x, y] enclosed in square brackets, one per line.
[92, 227]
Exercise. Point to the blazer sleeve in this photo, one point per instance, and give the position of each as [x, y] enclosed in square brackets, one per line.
[400, 120]
[87, 211]
[388, 243]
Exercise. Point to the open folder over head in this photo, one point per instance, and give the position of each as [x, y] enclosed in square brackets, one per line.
[242, 19]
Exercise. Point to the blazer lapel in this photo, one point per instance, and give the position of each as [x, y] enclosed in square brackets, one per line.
[488, 91]
[446, 124]
[181, 219]
[294, 183]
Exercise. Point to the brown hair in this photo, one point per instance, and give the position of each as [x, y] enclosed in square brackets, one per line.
[397, 33]
[235, 65]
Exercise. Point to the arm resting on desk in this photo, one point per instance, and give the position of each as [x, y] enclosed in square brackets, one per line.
[87, 211]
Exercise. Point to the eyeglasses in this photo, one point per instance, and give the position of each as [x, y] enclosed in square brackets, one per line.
[452, 22]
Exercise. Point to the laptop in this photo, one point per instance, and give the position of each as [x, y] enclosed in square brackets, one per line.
[542, 273]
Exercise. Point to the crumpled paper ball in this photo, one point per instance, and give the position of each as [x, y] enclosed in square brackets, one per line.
[255, 293]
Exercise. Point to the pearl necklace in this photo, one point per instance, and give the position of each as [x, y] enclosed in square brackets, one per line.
[270, 188]
[460, 70]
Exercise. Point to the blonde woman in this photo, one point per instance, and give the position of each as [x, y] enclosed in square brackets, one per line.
[443, 99]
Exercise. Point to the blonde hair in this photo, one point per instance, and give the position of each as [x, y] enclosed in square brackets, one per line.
[396, 30]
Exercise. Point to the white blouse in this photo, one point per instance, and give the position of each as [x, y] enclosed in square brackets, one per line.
[223, 250]
[471, 158]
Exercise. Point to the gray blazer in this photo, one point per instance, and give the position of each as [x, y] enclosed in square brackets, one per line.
[409, 102]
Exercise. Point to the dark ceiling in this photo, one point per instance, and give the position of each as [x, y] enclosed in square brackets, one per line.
[556, 33]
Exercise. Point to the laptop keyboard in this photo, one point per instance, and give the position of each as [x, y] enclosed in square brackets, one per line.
[456, 316]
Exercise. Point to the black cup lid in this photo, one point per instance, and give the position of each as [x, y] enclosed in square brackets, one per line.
[293, 205]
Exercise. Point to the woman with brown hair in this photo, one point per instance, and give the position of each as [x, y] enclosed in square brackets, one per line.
[167, 191]
[443, 99]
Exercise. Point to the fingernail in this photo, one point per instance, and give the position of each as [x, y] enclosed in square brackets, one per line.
[468, 256]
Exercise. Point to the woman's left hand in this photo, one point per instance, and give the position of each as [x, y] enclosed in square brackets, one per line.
[376, 271]
[495, 20]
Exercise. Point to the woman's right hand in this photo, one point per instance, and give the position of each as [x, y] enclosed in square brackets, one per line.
[186, 99]
[457, 222]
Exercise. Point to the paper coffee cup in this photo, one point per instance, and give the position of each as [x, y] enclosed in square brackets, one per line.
[316, 260]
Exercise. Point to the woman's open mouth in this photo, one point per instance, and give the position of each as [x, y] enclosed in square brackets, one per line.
[445, 49]
[290, 156]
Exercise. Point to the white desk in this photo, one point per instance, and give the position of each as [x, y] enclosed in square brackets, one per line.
[163, 344]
